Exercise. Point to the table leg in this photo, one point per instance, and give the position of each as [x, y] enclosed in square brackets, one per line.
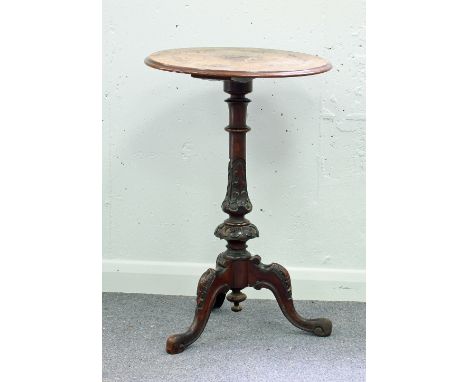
[276, 278]
[210, 285]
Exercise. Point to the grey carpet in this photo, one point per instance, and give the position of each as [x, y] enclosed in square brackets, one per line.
[256, 344]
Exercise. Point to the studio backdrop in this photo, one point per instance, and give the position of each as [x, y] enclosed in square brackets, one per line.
[165, 149]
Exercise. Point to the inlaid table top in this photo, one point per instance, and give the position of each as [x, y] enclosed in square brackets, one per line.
[237, 62]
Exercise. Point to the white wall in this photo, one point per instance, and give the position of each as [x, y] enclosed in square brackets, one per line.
[166, 153]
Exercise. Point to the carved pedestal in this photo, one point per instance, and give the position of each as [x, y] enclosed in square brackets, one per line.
[236, 268]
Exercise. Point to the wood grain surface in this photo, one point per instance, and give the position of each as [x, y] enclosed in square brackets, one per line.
[237, 62]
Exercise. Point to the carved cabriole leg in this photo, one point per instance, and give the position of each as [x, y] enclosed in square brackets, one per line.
[211, 284]
[276, 278]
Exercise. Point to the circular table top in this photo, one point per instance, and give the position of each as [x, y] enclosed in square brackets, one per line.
[237, 62]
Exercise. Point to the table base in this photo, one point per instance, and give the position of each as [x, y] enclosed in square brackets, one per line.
[236, 268]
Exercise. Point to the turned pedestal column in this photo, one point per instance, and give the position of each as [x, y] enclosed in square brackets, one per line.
[236, 268]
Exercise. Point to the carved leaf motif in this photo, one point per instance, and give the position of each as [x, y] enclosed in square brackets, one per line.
[204, 285]
[241, 233]
[221, 261]
[237, 200]
[283, 274]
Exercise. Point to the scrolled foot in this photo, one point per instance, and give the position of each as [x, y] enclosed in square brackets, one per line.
[175, 344]
[322, 327]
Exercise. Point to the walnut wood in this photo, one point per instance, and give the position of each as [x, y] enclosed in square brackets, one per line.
[210, 285]
[276, 278]
[237, 272]
[236, 268]
[237, 229]
[224, 63]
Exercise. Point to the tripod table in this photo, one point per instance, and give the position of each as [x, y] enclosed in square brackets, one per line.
[236, 268]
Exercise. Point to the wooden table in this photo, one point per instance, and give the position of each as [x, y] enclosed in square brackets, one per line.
[236, 268]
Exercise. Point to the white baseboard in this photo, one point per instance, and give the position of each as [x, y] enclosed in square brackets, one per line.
[181, 278]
